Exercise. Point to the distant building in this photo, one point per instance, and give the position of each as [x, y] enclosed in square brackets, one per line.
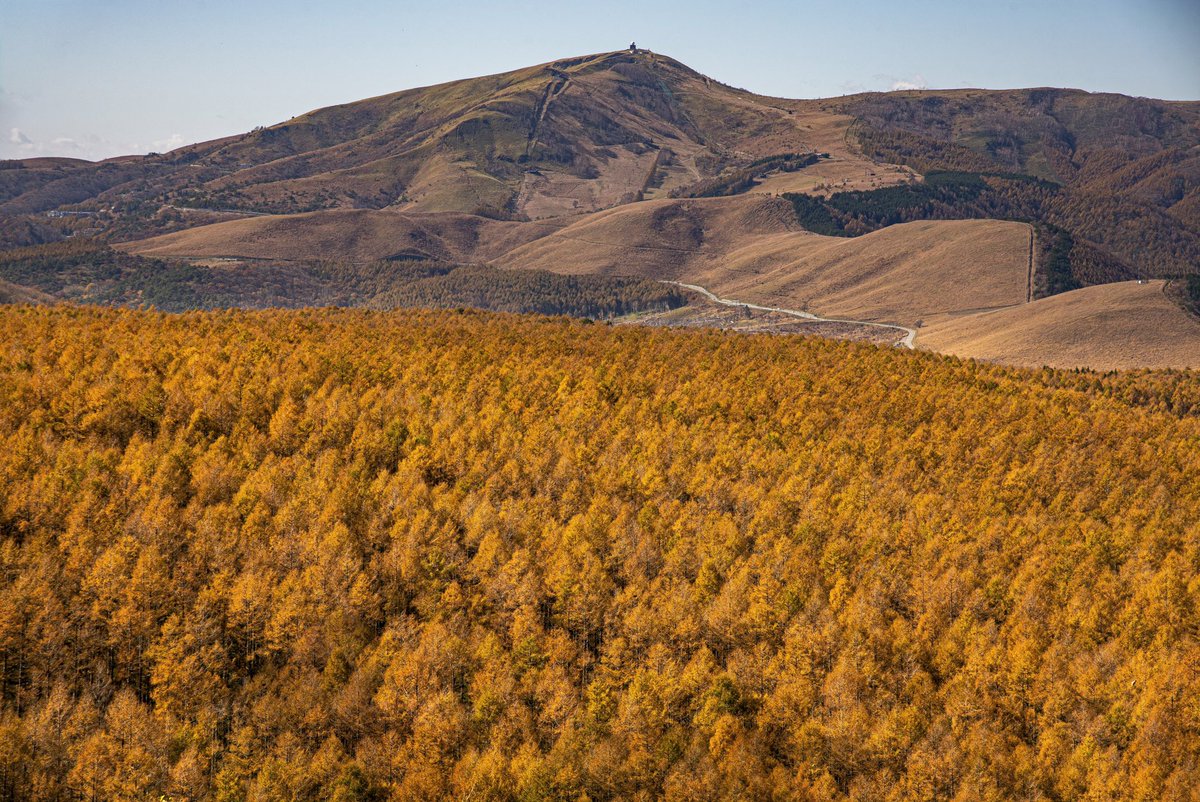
[633, 47]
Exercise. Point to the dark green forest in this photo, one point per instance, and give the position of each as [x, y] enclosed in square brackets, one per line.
[89, 272]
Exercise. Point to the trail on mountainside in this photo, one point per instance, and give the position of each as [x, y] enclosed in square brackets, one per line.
[906, 341]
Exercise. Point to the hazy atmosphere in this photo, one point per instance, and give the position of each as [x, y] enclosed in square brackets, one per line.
[94, 80]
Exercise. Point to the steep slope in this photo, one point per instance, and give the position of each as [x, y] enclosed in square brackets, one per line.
[1109, 327]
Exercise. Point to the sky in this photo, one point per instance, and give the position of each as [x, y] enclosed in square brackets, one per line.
[99, 78]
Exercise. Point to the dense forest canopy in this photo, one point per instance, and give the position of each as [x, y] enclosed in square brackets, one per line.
[349, 555]
[87, 271]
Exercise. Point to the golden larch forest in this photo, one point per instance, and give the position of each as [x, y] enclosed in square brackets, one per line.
[349, 555]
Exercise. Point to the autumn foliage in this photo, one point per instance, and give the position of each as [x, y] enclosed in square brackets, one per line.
[348, 555]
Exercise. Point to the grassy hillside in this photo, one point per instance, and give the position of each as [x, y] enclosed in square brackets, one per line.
[1110, 327]
[1063, 261]
[359, 556]
[1120, 175]
[750, 247]
[350, 235]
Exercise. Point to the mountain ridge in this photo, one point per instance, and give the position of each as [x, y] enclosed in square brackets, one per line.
[582, 133]
[612, 112]
[508, 169]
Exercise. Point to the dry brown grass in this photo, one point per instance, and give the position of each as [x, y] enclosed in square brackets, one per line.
[552, 192]
[358, 235]
[837, 174]
[749, 248]
[846, 169]
[1107, 327]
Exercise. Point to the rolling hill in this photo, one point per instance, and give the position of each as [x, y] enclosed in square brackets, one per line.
[947, 278]
[358, 235]
[746, 246]
[587, 133]
[1118, 326]
[749, 248]
[1128, 168]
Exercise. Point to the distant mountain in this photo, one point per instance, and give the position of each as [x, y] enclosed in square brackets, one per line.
[571, 136]
[526, 169]
[583, 134]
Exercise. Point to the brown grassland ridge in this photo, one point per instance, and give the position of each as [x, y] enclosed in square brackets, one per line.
[360, 235]
[1129, 324]
[747, 246]
[570, 136]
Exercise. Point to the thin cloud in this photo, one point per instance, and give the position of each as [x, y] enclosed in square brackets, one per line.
[916, 82]
[20, 145]
[169, 144]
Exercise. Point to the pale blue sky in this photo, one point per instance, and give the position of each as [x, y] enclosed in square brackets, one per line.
[97, 78]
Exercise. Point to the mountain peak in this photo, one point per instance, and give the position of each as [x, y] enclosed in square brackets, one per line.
[571, 135]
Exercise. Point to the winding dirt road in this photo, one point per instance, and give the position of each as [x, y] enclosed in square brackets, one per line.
[909, 334]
